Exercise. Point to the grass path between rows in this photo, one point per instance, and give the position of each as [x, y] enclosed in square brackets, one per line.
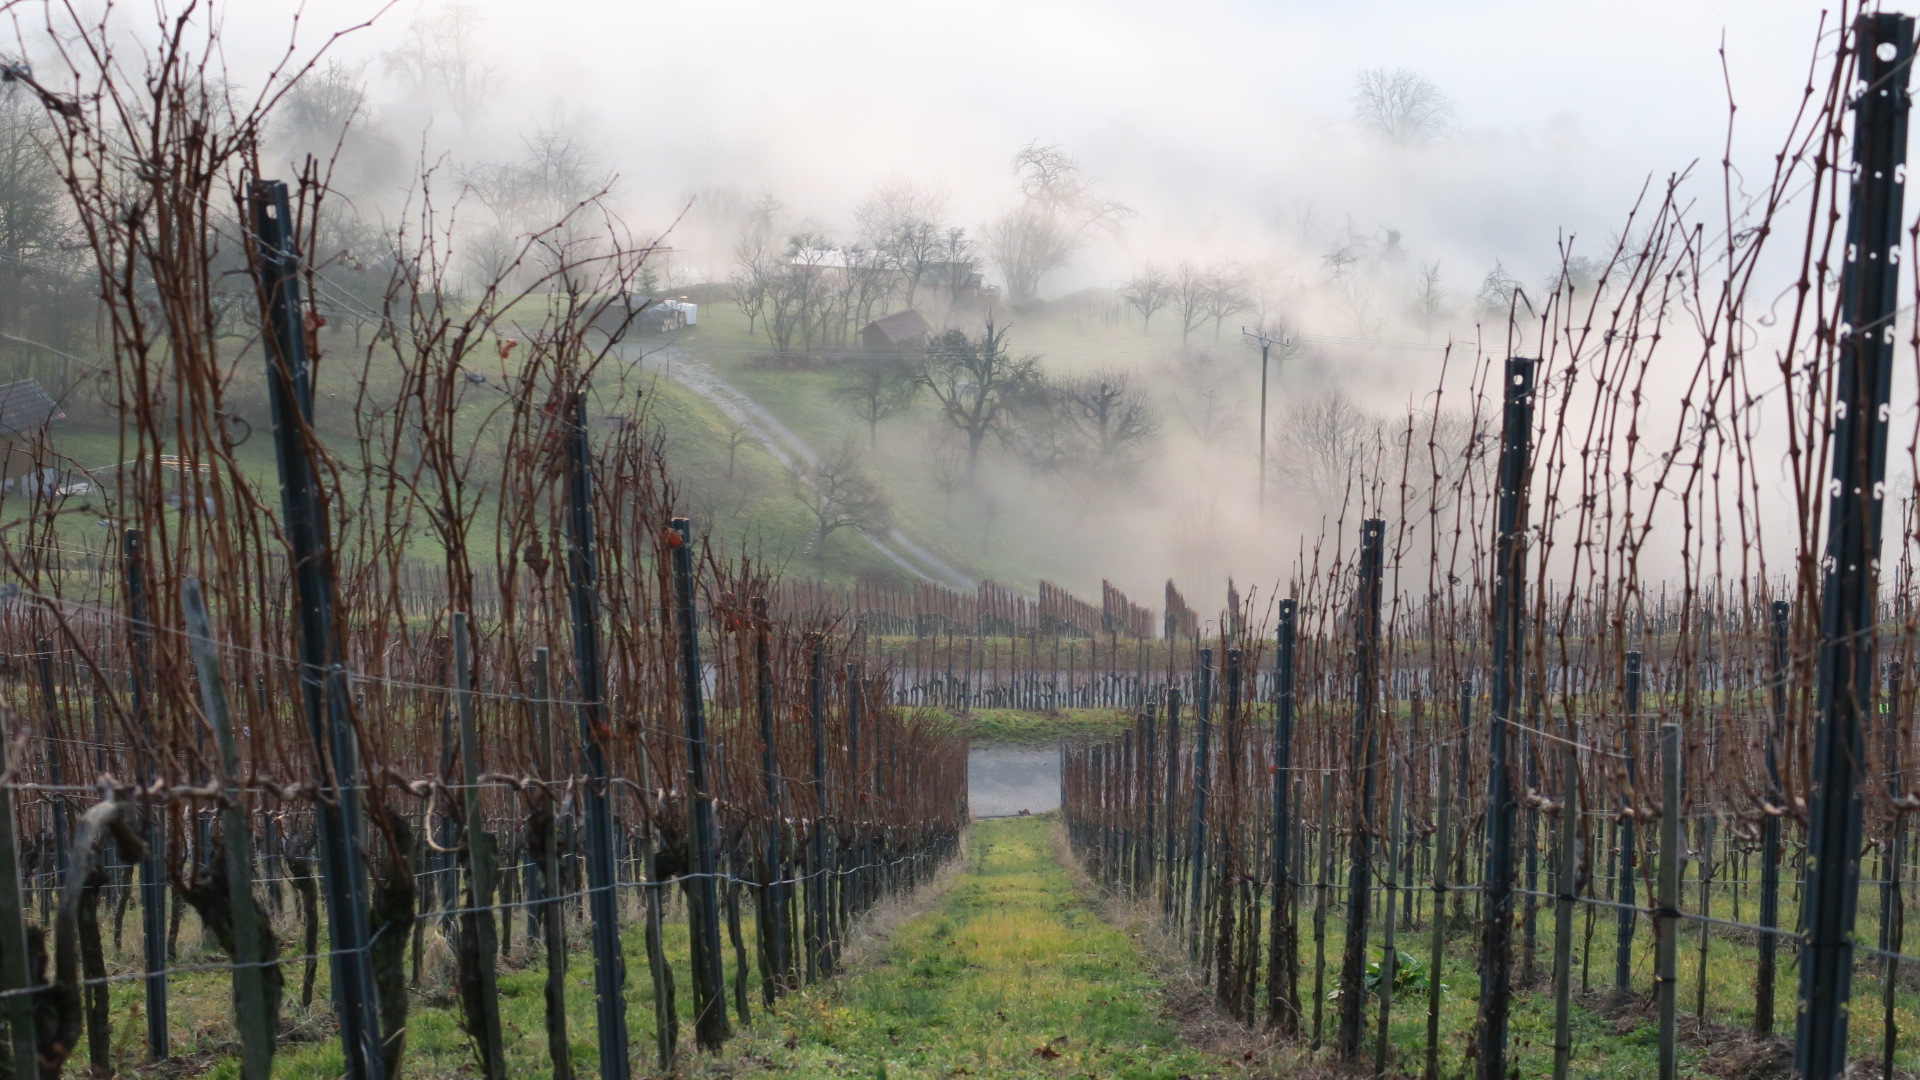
[1012, 974]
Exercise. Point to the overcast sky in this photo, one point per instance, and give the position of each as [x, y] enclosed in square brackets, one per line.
[1204, 112]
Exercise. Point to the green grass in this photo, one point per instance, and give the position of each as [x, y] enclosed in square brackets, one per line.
[1023, 728]
[1015, 974]
[737, 494]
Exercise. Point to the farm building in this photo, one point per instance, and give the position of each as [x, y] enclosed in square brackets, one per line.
[900, 330]
[27, 415]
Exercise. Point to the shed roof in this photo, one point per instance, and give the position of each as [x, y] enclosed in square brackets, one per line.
[901, 326]
[26, 408]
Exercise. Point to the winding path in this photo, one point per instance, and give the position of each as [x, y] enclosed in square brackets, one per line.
[787, 448]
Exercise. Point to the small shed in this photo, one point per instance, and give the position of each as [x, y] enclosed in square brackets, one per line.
[898, 331]
[27, 411]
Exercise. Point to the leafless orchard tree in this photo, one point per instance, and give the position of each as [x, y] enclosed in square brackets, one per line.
[876, 389]
[1147, 291]
[1400, 105]
[1205, 393]
[906, 224]
[1429, 305]
[442, 55]
[1111, 418]
[840, 494]
[1059, 214]
[979, 385]
[1326, 450]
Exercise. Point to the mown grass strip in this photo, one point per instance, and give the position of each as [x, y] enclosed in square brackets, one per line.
[1014, 974]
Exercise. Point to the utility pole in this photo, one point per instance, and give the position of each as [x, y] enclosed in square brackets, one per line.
[1266, 342]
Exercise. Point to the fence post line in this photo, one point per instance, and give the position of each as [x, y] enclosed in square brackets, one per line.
[1844, 687]
[322, 679]
[1564, 884]
[1666, 981]
[153, 823]
[1283, 965]
[609, 965]
[1509, 599]
[1443, 838]
[250, 994]
[553, 913]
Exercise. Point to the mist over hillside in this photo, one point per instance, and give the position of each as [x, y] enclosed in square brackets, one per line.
[1120, 214]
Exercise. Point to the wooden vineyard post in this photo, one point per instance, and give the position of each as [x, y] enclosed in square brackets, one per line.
[1768, 944]
[1197, 841]
[1666, 982]
[479, 945]
[1283, 963]
[553, 912]
[710, 1022]
[1320, 906]
[1892, 908]
[1170, 891]
[778, 979]
[1390, 954]
[816, 931]
[1564, 898]
[153, 825]
[250, 994]
[1149, 802]
[609, 967]
[1365, 767]
[1844, 691]
[1443, 837]
[1629, 845]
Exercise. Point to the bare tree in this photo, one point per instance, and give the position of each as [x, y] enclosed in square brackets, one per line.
[979, 385]
[875, 389]
[1227, 294]
[1402, 106]
[946, 468]
[738, 435]
[40, 296]
[1147, 291]
[1191, 289]
[1325, 449]
[1206, 393]
[959, 260]
[1060, 213]
[1429, 299]
[1497, 291]
[840, 494]
[319, 108]
[905, 224]
[442, 55]
[1112, 418]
